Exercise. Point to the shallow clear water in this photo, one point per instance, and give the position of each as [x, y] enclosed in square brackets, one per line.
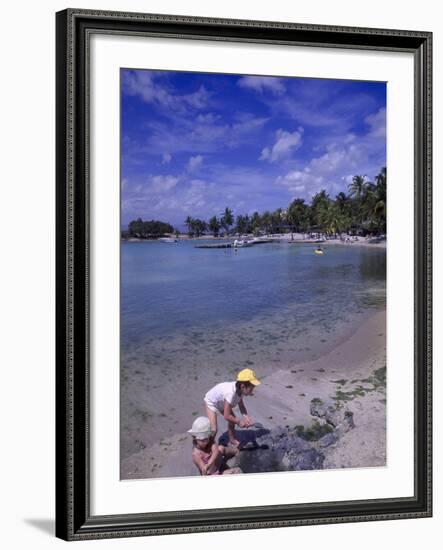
[171, 288]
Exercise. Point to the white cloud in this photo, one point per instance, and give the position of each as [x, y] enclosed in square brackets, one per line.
[205, 134]
[247, 124]
[208, 118]
[302, 182]
[161, 184]
[152, 88]
[377, 124]
[262, 83]
[330, 171]
[285, 144]
[194, 162]
[321, 103]
[166, 158]
[339, 159]
[195, 196]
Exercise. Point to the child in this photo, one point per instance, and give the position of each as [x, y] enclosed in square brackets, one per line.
[222, 399]
[207, 455]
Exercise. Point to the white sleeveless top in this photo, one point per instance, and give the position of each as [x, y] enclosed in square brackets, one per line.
[225, 391]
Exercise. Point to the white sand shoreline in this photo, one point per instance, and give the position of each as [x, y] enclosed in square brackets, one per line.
[284, 398]
[296, 238]
[193, 362]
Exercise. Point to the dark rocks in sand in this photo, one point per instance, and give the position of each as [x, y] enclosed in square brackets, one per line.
[346, 424]
[295, 448]
[281, 449]
[260, 460]
[310, 459]
[333, 414]
[328, 439]
[327, 410]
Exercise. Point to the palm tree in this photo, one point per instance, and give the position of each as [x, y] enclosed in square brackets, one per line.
[243, 224]
[277, 220]
[227, 219]
[363, 208]
[255, 223]
[297, 215]
[266, 221]
[357, 187]
[319, 204]
[328, 218]
[367, 201]
[214, 226]
[342, 200]
[358, 190]
[198, 227]
[189, 225]
[375, 202]
[380, 178]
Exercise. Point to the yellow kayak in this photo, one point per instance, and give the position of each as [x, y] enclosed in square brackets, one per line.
[318, 251]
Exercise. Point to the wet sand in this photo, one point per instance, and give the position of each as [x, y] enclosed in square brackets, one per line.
[351, 371]
[163, 380]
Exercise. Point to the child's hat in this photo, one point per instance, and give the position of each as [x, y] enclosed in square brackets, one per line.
[201, 428]
[248, 375]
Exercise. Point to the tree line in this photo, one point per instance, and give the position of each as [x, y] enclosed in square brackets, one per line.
[152, 229]
[361, 210]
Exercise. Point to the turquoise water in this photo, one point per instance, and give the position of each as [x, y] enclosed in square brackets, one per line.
[169, 288]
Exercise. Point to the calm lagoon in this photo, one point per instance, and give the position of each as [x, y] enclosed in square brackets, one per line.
[172, 288]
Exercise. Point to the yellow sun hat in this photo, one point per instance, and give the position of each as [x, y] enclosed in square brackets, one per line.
[248, 375]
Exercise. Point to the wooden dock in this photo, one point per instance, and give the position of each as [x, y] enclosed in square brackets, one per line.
[217, 245]
[239, 245]
[307, 241]
[266, 241]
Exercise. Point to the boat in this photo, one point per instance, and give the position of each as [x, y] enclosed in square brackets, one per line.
[263, 240]
[168, 240]
[242, 243]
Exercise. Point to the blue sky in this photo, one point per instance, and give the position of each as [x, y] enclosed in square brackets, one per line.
[194, 143]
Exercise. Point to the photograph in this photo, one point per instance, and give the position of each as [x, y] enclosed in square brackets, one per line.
[253, 225]
[239, 290]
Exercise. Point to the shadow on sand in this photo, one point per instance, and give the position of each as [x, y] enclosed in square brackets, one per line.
[247, 438]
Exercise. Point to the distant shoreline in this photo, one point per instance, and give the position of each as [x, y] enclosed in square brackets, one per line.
[296, 238]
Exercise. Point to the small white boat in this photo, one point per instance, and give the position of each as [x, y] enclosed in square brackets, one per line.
[263, 240]
[168, 240]
[242, 243]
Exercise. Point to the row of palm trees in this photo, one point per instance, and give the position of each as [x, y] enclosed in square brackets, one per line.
[362, 210]
[197, 227]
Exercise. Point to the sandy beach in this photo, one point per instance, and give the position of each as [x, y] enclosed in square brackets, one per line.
[295, 238]
[352, 374]
[302, 238]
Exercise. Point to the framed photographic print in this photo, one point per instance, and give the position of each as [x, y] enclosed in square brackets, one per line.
[243, 274]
